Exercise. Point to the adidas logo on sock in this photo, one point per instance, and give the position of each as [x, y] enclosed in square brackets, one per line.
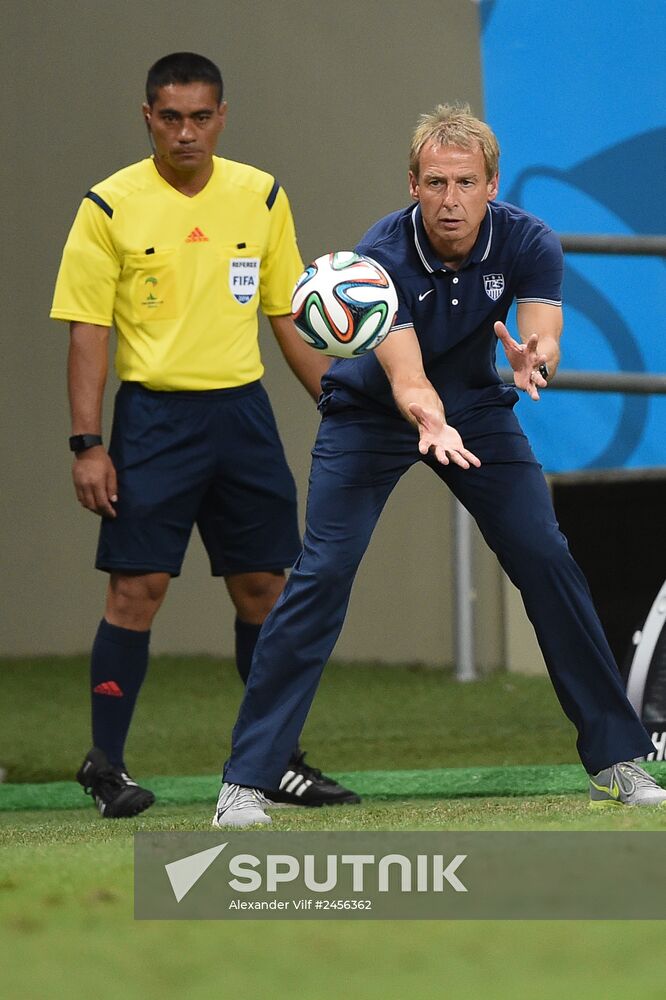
[196, 236]
[110, 688]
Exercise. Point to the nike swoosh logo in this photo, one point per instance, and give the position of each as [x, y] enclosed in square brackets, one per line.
[614, 791]
[423, 294]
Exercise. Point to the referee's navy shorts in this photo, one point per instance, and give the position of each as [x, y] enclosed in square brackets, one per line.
[212, 458]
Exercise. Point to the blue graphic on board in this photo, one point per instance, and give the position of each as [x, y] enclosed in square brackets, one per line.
[577, 96]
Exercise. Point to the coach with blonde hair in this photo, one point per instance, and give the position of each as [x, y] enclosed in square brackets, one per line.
[431, 393]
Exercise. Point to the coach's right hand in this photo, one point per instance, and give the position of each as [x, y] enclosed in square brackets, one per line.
[440, 439]
[95, 481]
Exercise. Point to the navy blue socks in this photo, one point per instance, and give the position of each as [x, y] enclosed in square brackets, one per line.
[117, 669]
[246, 640]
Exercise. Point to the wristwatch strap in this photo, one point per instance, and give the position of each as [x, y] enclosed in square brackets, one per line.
[81, 442]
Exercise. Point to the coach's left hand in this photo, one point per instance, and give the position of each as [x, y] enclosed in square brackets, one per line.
[524, 360]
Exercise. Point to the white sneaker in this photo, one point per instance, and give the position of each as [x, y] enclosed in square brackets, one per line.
[240, 806]
[625, 784]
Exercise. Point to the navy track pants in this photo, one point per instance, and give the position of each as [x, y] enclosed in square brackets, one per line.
[357, 460]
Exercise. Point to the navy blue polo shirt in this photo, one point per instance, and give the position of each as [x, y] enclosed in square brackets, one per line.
[515, 256]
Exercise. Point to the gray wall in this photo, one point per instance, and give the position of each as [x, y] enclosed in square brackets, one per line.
[325, 97]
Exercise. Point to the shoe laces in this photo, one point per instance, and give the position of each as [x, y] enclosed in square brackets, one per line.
[640, 777]
[106, 783]
[242, 796]
[298, 761]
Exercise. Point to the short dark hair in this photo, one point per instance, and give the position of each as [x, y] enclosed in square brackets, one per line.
[182, 67]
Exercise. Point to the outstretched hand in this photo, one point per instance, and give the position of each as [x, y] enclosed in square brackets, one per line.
[442, 440]
[524, 359]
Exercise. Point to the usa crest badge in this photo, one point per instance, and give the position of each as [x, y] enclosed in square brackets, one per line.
[494, 285]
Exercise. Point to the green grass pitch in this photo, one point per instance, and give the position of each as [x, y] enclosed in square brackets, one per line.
[66, 926]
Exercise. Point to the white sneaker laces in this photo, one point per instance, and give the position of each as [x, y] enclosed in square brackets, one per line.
[641, 778]
[241, 797]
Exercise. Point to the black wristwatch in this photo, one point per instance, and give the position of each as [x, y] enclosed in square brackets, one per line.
[81, 442]
[543, 371]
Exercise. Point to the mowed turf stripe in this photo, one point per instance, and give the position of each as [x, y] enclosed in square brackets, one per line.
[447, 783]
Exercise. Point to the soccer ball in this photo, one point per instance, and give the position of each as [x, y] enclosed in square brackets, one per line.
[344, 304]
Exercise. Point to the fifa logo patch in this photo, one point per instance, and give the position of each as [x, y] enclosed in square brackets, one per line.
[243, 278]
[494, 285]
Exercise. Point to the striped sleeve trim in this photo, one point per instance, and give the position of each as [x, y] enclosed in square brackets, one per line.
[272, 195]
[402, 326]
[100, 202]
[548, 302]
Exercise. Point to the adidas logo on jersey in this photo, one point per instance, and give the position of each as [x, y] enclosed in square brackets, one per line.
[196, 236]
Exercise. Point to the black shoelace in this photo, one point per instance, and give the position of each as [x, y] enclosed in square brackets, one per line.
[106, 784]
[312, 772]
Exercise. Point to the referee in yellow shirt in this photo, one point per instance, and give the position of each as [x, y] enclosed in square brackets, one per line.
[177, 252]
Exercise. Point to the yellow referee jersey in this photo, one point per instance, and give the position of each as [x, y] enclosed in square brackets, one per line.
[181, 278]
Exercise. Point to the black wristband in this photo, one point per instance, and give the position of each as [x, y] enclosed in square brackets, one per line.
[81, 442]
